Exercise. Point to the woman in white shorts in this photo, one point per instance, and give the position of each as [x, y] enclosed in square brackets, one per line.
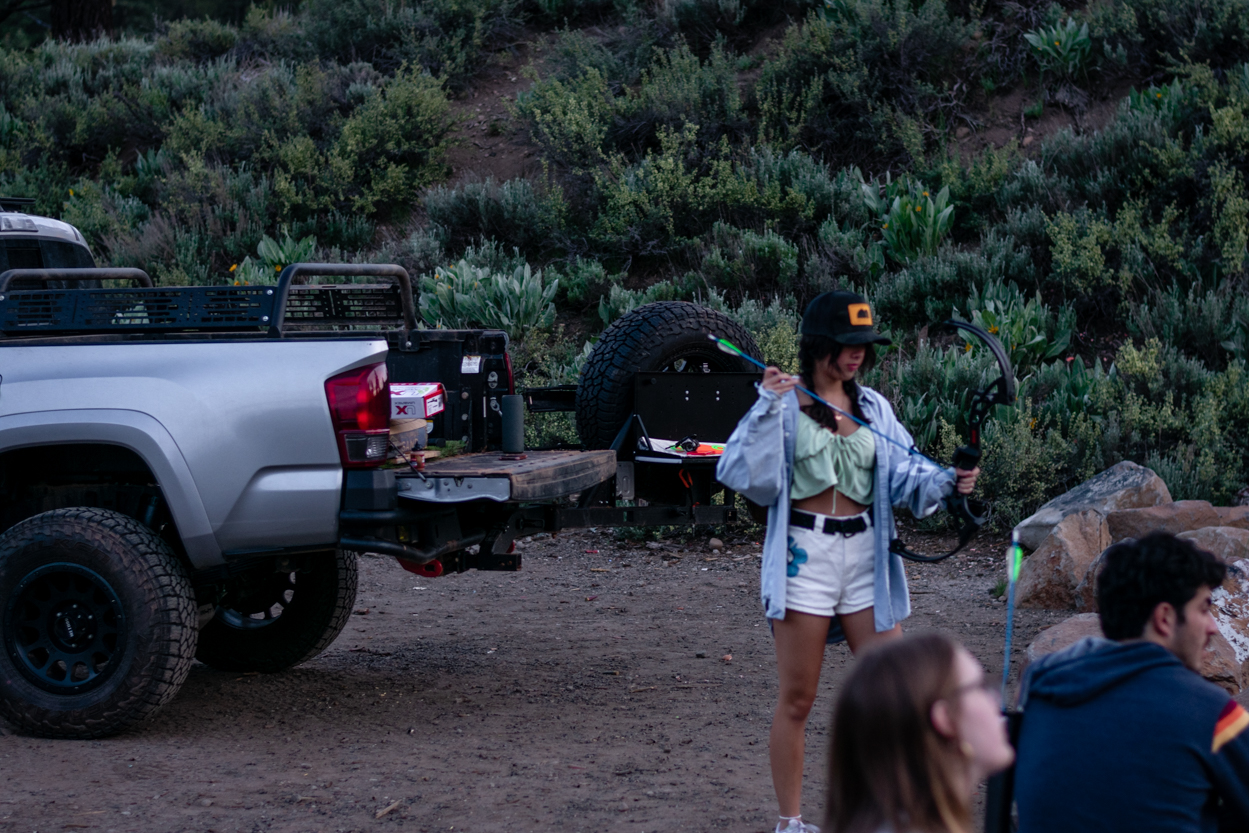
[831, 486]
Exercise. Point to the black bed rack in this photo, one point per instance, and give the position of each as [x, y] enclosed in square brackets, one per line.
[274, 310]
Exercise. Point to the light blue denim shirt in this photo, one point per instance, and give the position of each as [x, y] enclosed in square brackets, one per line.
[758, 463]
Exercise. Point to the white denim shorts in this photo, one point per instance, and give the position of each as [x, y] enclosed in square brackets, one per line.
[830, 574]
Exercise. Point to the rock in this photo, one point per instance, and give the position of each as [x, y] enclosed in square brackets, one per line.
[1219, 663]
[1086, 590]
[1122, 486]
[962, 133]
[1175, 518]
[1237, 516]
[1050, 575]
[1028, 140]
[1220, 666]
[1227, 542]
[1063, 634]
[715, 544]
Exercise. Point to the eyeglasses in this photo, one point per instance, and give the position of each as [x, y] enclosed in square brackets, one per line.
[984, 685]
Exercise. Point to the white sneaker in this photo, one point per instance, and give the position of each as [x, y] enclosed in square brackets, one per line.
[797, 826]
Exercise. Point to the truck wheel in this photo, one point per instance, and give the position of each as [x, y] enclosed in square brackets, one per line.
[664, 336]
[286, 619]
[98, 621]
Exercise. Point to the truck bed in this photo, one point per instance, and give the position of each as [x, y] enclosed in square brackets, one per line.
[541, 475]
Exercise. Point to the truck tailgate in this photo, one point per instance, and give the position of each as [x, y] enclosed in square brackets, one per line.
[542, 475]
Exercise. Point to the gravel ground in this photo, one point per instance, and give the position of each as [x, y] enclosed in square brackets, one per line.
[609, 685]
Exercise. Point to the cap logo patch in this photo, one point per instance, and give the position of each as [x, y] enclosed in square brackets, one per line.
[860, 314]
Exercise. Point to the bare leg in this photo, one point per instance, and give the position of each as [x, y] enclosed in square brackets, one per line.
[800, 639]
[861, 633]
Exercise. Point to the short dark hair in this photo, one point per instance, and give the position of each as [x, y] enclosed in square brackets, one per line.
[1137, 575]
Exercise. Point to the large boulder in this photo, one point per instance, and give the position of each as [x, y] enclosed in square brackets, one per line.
[1219, 662]
[1230, 544]
[1067, 632]
[1122, 486]
[1237, 516]
[1086, 590]
[1050, 575]
[1181, 516]
[1220, 665]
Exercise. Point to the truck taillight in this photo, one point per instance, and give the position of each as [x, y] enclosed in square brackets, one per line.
[511, 377]
[360, 409]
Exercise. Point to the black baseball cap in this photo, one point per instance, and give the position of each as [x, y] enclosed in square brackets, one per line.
[845, 317]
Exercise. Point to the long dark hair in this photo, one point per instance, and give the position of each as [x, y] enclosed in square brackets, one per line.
[811, 351]
[888, 767]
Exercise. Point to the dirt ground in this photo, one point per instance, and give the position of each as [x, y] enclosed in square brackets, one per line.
[609, 685]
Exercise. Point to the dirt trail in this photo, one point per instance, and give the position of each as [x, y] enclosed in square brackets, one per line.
[586, 693]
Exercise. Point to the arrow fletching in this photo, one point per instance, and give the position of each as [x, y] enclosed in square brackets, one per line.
[726, 346]
[1014, 558]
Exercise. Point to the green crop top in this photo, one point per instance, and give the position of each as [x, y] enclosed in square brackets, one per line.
[823, 459]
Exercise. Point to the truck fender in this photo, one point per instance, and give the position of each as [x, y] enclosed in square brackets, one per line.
[141, 434]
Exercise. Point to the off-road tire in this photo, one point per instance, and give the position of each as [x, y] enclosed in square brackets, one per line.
[134, 603]
[654, 337]
[307, 609]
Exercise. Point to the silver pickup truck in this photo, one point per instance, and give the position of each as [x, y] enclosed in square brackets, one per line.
[187, 472]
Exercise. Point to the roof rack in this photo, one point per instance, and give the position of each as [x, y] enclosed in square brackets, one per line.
[16, 203]
[148, 308]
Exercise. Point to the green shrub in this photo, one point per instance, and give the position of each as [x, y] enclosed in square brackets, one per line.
[867, 80]
[1028, 330]
[912, 222]
[583, 280]
[196, 40]
[618, 301]
[1062, 49]
[464, 295]
[395, 141]
[1208, 325]
[582, 120]
[1155, 33]
[515, 213]
[446, 38]
[742, 261]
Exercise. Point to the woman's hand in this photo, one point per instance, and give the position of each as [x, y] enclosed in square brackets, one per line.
[778, 382]
[965, 481]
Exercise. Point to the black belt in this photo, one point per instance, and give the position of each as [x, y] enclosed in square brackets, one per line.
[832, 526]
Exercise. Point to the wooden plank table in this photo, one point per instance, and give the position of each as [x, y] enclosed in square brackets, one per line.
[542, 475]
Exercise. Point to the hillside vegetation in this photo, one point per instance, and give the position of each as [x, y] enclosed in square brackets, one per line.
[745, 154]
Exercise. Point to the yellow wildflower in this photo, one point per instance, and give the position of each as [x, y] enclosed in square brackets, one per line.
[71, 192]
[277, 268]
[993, 330]
[967, 347]
[925, 193]
[1055, 43]
[919, 208]
[235, 266]
[1159, 95]
[1032, 423]
[885, 226]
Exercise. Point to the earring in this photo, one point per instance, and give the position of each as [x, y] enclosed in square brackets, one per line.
[966, 748]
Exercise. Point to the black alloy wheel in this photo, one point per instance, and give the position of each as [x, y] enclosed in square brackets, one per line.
[64, 628]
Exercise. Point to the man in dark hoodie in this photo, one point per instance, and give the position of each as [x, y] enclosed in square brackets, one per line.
[1121, 733]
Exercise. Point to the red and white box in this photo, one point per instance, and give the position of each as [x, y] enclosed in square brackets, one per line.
[416, 400]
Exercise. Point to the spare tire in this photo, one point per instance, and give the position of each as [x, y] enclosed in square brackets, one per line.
[664, 336]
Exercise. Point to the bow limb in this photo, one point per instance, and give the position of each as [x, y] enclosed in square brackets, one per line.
[970, 512]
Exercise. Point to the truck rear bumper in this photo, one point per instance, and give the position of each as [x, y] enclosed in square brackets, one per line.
[421, 516]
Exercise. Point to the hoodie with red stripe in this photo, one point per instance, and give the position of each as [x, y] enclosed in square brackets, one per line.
[1122, 736]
